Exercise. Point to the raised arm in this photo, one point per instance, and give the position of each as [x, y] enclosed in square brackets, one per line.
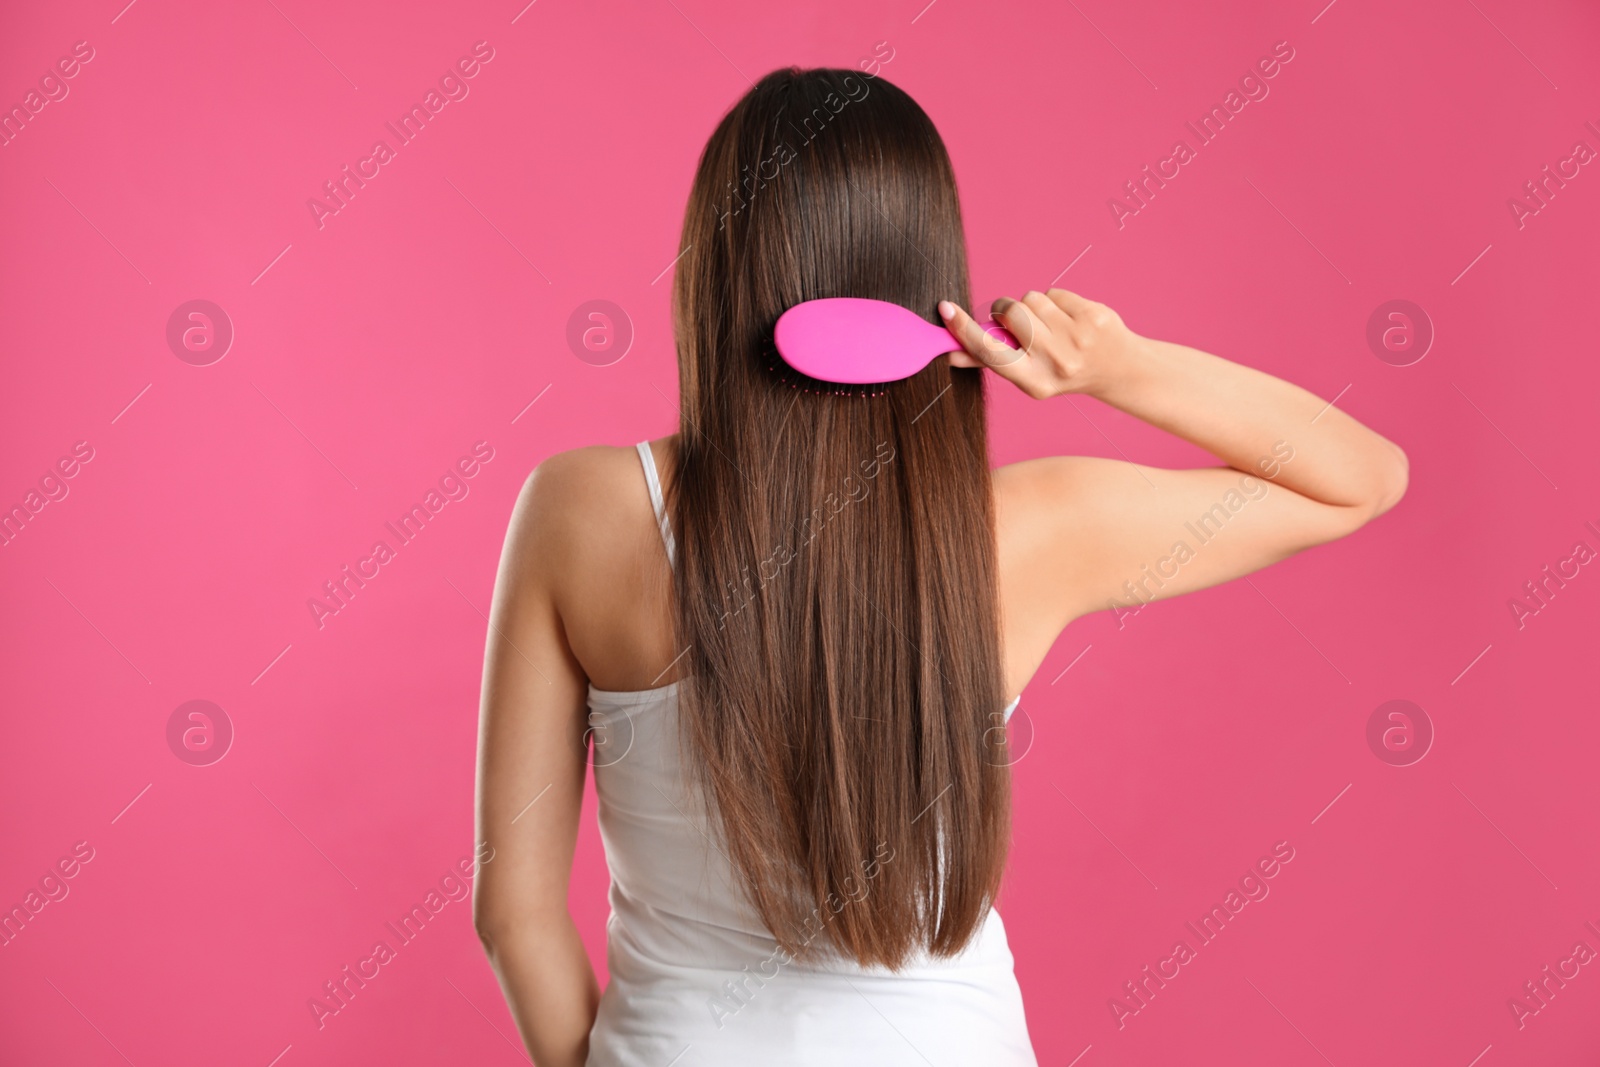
[1109, 534]
[530, 786]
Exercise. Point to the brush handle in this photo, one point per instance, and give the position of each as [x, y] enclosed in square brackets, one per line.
[854, 340]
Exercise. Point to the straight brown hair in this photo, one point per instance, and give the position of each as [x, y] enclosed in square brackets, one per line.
[835, 589]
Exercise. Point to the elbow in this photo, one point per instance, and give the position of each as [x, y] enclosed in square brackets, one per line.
[496, 937]
[502, 926]
[486, 938]
[489, 924]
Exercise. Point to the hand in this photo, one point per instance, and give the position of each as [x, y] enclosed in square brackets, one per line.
[1069, 344]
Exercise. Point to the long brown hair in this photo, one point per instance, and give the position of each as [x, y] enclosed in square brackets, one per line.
[835, 592]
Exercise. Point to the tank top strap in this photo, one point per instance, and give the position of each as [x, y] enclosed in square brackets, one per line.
[657, 499]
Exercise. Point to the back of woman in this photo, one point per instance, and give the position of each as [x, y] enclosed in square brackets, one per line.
[695, 967]
[788, 637]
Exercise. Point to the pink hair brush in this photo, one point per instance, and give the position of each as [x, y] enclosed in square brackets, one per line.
[856, 341]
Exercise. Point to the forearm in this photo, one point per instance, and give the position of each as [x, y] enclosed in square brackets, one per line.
[550, 987]
[1239, 414]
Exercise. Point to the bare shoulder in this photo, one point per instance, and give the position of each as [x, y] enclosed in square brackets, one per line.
[583, 544]
[576, 510]
[580, 483]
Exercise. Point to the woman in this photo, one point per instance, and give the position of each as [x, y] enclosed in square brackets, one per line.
[791, 632]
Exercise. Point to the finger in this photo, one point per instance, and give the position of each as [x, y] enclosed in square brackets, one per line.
[968, 333]
[1024, 325]
[1069, 302]
[981, 350]
[1046, 311]
[1000, 351]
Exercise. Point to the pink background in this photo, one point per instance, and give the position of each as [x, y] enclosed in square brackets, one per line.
[428, 313]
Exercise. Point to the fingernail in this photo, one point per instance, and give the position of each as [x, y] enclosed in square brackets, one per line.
[946, 309]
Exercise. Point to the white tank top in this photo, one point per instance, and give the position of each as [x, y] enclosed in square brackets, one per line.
[696, 978]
